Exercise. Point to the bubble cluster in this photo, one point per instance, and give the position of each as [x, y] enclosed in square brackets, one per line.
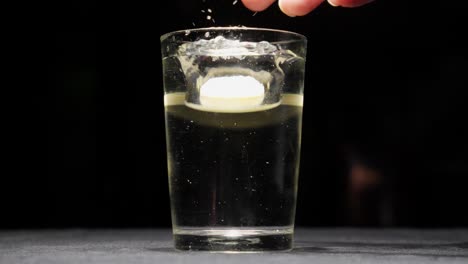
[221, 46]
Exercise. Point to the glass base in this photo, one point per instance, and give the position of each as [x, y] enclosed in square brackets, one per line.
[234, 239]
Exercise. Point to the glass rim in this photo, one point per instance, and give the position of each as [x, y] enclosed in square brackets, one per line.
[297, 37]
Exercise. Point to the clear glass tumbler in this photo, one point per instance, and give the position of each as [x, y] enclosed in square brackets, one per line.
[233, 102]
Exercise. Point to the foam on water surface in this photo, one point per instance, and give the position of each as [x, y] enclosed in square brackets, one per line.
[223, 47]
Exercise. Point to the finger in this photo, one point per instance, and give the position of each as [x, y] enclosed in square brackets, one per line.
[294, 8]
[257, 5]
[349, 3]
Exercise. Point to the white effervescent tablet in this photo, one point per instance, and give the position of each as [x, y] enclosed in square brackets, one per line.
[232, 94]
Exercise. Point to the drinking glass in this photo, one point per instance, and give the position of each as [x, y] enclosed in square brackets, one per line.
[233, 102]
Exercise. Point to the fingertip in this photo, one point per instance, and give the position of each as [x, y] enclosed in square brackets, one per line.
[332, 2]
[349, 3]
[294, 8]
[257, 5]
[285, 10]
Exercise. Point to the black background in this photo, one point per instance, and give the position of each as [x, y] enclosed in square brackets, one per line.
[384, 102]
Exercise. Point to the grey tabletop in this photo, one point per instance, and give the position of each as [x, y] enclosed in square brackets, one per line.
[311, 246]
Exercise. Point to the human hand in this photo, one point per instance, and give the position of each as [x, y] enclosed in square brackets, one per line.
[299, 7]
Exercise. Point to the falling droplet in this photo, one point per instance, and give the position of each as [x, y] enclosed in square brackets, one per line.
[208, 17]
[234, 3]
[209, 10]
